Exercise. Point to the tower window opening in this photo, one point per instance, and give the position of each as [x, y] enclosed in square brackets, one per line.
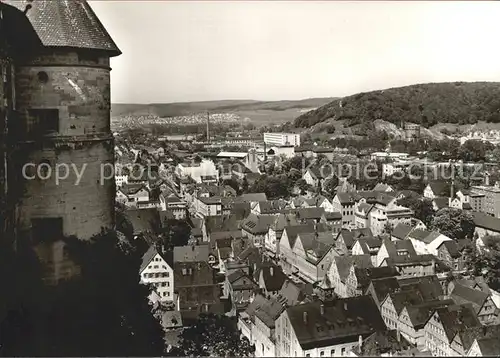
[46, 229]
[44, 120]
[88, 57]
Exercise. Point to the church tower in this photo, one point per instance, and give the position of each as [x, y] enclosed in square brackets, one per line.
[62, 124]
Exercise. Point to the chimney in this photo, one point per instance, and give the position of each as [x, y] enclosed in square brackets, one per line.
[305, 317]
[208, 127]
[271, 271]
[398, 334]
[322, 309]
[360, 342]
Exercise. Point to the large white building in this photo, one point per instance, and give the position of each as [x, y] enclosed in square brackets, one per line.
[199, 172]
[282, 139]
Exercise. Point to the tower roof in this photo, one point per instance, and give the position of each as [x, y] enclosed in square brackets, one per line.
[67, 23]
[16, 32]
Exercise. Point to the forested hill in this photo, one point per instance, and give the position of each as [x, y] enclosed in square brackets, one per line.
[425, 104]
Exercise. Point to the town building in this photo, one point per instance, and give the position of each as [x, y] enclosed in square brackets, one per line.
[331, 328]
[282, 139]
[158, 273]
[491, 198]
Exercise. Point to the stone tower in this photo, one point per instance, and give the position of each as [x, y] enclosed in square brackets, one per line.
[63, 122]
[16, 36]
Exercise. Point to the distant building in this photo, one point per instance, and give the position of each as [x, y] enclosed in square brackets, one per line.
[198, 171]
[491, 198]
[411, 131]
[282, 139]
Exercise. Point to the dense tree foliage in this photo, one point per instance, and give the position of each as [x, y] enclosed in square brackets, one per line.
[104, 311]
[425, 104]
[422, 207]
[213, 336]
[454, 223]
[233, 183]
[297, 162]
[485, 263]
[175, 233]
[303, 186]
[275, 186]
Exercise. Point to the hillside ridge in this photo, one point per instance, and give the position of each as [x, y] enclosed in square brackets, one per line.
[426, 104]
[220, 106]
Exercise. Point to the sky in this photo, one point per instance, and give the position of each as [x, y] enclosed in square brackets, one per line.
[181, 51]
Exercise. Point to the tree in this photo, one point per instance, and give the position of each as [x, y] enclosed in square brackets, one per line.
[454, 223]
[233, 184]
[213, 336]
[485, 264]
[244, 185]
[274, 186]
[388, 228]
[175, 233]
[297, 162]
[102, 311]
[422, 208]
[294, 175]
[303, 186]
[474, 150]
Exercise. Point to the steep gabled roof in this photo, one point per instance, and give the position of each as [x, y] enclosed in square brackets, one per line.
[344, 263]
[350, 236]
[148, 256]
[294, 230]
[441, 202]
[273, 277]
[401, 231]
[456, 318]
[489, 346]
[452, 248]
[364, 275]
[384, 286]
[437, 187]
[251, 197]
[258, 224]
[321, 324]
[463, 294]
[191, 253]
[68, 24]
[486, 221]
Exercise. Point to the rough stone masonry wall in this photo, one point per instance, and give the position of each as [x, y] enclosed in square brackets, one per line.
[85, 206]
[3, 148]
[81, 92]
